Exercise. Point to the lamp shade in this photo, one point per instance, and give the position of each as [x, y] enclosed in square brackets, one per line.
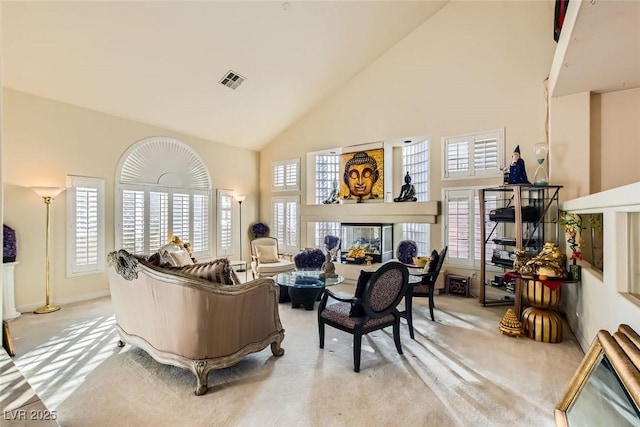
[240, 199]
[48, 191]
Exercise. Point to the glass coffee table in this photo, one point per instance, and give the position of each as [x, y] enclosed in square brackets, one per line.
[303, 288]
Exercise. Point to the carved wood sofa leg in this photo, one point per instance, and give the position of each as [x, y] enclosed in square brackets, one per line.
[276, 349]
[202, 374]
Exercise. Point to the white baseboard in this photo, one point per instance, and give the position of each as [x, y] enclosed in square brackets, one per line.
[67, 300]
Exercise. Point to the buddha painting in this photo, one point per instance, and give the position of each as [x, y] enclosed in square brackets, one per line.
[363, 175]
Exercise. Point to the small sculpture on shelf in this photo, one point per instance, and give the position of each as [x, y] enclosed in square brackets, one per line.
[332, 245]
[550, 262]
[407, 192]
[334, 197]
[517, 170]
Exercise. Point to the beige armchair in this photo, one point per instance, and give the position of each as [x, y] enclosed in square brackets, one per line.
[266, 259]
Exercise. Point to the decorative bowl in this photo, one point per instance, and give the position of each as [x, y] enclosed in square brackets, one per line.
[421, 261]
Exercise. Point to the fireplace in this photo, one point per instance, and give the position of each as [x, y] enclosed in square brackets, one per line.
[374, 240]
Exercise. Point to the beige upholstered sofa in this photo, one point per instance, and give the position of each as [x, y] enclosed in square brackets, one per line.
[190, 322]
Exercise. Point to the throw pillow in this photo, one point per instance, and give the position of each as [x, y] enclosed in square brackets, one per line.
[356, 308]
[219, 271]
[267, 254]
[181, 258]
[435, 257]
[165, 256]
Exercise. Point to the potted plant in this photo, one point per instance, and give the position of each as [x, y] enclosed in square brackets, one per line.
[572, 224]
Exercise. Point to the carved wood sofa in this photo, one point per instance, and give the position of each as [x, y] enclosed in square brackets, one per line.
[190, 322]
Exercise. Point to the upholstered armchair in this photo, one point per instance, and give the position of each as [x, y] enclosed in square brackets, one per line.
[382, 293]
[266, 260]
[425, 287]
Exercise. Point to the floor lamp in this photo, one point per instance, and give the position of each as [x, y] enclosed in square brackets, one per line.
[240, 199]
[48, 194]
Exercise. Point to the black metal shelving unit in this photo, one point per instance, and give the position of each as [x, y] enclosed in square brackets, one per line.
[534, 221]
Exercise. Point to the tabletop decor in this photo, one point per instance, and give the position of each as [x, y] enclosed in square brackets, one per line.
[309, 259]
[259, 230]
[407, 249]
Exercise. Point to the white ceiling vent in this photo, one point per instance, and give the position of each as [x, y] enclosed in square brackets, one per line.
[232, 80]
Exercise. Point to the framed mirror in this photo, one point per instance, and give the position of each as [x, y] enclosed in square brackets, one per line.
[605, 390]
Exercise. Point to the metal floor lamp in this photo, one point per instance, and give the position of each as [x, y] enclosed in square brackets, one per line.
[240, 199]
[48, 194]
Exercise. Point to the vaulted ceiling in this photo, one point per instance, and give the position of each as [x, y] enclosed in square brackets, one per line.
[161, 62]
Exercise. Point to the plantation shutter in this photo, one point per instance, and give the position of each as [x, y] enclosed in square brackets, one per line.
[86, 226]
[458, 227]
[200, 238]
[158, 219]
[133, 221]
[181, 216]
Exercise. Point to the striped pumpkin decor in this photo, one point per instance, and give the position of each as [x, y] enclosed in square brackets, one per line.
[535, 293]
[542, 325]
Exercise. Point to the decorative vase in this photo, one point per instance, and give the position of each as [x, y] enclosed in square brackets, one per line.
[576, 272]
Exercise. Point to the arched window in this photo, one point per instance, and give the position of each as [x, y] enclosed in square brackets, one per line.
[162, 191]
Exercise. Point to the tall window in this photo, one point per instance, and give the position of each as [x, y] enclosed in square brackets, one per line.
[419, 233]
[150, 217]
[325, 229]
[327, 176]
[415, 160]
[474, 155]
[286, 175]
[85, 240]
[462, 226]
[163, 191]
[285, 223]
[225, 222]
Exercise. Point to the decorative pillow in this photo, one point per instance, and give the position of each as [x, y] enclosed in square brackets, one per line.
[435, 257]
[164, 251]
[181, 258]
[267, 254]
[219, 271]
[356, 308]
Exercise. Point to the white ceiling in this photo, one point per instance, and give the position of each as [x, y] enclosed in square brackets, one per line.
[161, 62]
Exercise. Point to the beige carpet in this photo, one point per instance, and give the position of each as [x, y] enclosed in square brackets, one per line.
[460, 371]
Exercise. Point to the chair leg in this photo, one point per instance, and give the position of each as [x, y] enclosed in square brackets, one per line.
[357, 346]
[321, 333]
[431, 301]
[409, 313]
[396, 335]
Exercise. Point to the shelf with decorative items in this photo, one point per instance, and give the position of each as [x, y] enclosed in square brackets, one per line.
[518, 220]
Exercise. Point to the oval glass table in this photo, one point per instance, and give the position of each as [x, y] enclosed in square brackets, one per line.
[303, 287]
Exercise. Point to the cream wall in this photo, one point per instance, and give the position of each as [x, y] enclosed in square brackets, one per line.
[594, 150]
[473, 66]
[44, 141]
[616, 122]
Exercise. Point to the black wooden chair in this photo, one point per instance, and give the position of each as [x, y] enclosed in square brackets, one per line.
[382, 294]
[424, 288]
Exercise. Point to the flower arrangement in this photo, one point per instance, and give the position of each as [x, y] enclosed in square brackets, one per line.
[572, 224]
[259, 229]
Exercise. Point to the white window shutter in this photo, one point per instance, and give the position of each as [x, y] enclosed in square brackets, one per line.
[158, 219]
[200, 237]
[133, 221]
